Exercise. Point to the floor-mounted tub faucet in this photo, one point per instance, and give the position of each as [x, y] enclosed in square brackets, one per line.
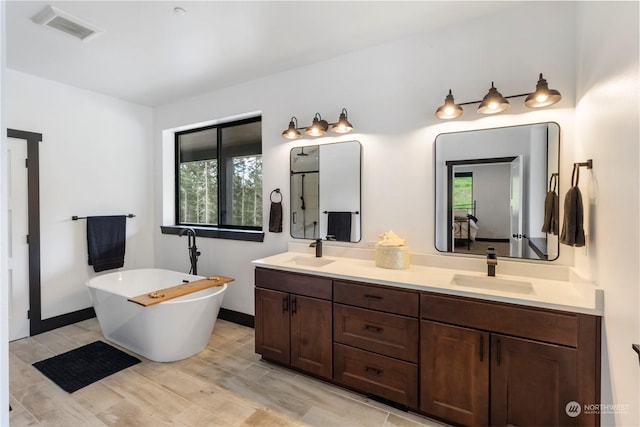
[193, 250]
[492, 261]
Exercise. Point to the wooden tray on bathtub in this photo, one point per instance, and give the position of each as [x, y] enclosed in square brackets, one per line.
[166, 294]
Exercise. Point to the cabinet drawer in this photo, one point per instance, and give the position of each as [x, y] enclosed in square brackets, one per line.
[384, 333]
[377, 298]
[301, 284]
[538, 324]
[380, 375]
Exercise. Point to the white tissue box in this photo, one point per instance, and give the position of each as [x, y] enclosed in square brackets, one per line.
[395, 257]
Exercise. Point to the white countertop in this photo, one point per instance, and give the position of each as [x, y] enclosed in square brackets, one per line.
[576, 297]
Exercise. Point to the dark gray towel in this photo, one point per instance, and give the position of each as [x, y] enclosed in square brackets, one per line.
[106, 237]
[275, 217]
[551, 223]
[572, 227]
[339, 226]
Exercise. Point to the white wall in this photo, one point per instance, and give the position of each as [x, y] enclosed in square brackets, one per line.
[4, 288]
[607, 132]
[94, 160]
[391, 92]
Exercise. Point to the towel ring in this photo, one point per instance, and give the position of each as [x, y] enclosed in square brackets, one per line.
[553, 181]
[575, 174]
[277, 190]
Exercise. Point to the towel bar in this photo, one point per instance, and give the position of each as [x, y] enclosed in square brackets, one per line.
[354, 213]
[75, 217]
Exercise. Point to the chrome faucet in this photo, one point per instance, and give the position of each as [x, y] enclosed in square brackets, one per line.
[318, 245]
[492, 261]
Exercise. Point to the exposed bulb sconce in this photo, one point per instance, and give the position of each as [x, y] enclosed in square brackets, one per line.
[292, 132]
[494, 102]
[319, 126]
[343, 125]
[449, 110]
[543, 96]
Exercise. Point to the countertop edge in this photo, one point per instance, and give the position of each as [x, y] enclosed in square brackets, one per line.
[598, 310]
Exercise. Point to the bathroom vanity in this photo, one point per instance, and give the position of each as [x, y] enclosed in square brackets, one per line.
[457, 347]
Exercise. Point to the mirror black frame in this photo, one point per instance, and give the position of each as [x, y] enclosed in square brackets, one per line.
[443, 168]
[335, 219]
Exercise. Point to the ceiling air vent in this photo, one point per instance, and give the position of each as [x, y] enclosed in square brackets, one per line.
[68, 24]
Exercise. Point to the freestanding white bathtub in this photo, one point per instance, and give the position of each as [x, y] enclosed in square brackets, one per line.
[165, 332]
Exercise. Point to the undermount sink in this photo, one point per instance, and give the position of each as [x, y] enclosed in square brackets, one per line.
[492, 283]
[311, 261]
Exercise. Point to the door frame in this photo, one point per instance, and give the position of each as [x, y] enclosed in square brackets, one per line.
[450, 164]
[37, 324]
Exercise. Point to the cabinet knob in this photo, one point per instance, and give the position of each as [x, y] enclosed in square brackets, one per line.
[285, 303]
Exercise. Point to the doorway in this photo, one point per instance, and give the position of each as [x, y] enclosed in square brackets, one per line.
[17, 247]
[37, 324]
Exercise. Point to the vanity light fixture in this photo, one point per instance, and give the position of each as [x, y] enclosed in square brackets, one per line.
[343, 125]
[292, 132]
[319, 126]
[543, 96]
[494, 102]
[449, 110]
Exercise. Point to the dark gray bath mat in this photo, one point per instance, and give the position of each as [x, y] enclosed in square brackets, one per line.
[78, 368]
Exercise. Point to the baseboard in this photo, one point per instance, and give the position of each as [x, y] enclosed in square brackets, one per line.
[237, 317]
[487, 239]
[44, 325]
[89, 313]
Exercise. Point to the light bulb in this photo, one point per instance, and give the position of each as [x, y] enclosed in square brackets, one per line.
[541, 97]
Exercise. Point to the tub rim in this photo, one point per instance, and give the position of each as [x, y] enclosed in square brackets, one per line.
[221, 289]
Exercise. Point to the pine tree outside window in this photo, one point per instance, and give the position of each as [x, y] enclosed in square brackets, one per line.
[463, 190]
[219, 176]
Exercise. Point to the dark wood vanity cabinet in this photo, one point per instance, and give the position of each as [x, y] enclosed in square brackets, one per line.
[376, 333]
[464, 360]
[454, 373]
[293, 320]
[531, 382]
[489, 363]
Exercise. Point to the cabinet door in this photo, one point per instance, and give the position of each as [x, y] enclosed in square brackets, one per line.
[272, 325]
[531, 382]
[311, 335]
[454, 373]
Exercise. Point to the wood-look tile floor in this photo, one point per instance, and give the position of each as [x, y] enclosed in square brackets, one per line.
[225, 385]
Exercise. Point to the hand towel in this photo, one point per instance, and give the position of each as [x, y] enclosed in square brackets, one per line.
[275, 217]
[339, 226]
[106, 241]
[551, 222]
[572, 227]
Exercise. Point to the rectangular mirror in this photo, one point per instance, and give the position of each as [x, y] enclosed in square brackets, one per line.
[325, 191]
[491, 187]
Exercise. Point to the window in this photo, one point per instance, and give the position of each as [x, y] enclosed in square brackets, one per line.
[463, 190]
[219, 176]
